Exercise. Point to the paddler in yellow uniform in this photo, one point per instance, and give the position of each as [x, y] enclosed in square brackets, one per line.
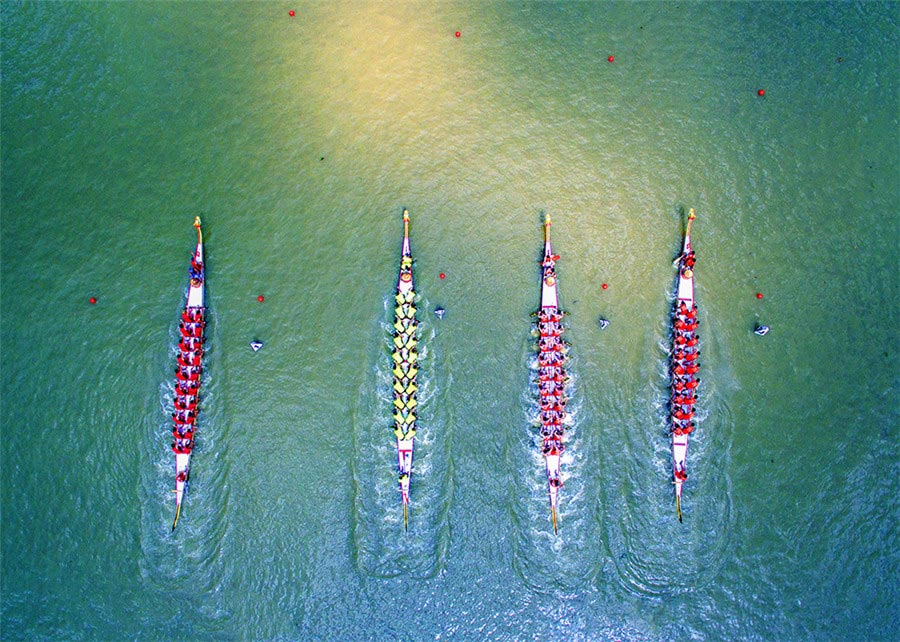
[405, 326]
[409, 389]
[405, 310]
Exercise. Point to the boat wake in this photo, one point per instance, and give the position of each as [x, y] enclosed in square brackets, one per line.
[187, 559]
[544, 560]
[653, 552]
[382, 547]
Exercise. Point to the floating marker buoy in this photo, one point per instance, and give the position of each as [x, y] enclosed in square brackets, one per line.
[260, 298]
[611, 59]
[761, 330]
[761, 92]
[759, 295]
[442, 275]
[440, 312]
[291, 13]
[92, 300]
[605, 286]
[457, 34]
[256, 345]
[604, 323]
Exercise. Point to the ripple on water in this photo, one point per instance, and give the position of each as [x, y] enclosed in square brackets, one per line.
[653, 552]
[187, 558]
[543, 560]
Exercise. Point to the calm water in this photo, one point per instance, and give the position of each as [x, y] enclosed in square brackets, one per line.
[300, 140]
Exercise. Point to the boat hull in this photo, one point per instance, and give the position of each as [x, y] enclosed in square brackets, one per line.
[405, 369]
[187, 382]
[552, 377]
[684, 366]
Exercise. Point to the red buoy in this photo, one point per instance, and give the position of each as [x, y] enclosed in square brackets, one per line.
[457, 34]
[761, 92]
[291, 13]
[611, 59]
[605, 286]
[92, 300]
[759, 295]
[442, 275]
[260, 298]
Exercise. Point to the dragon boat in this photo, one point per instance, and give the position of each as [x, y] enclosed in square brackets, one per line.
[684, 365]
[552, 350]
[405, 368]
[187, 374]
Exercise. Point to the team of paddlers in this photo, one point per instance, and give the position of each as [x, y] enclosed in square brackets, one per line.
[187, 375]
[685, 351]
[551, 377]
[405, 356]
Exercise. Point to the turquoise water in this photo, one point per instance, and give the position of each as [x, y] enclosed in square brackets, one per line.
[300, 140]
